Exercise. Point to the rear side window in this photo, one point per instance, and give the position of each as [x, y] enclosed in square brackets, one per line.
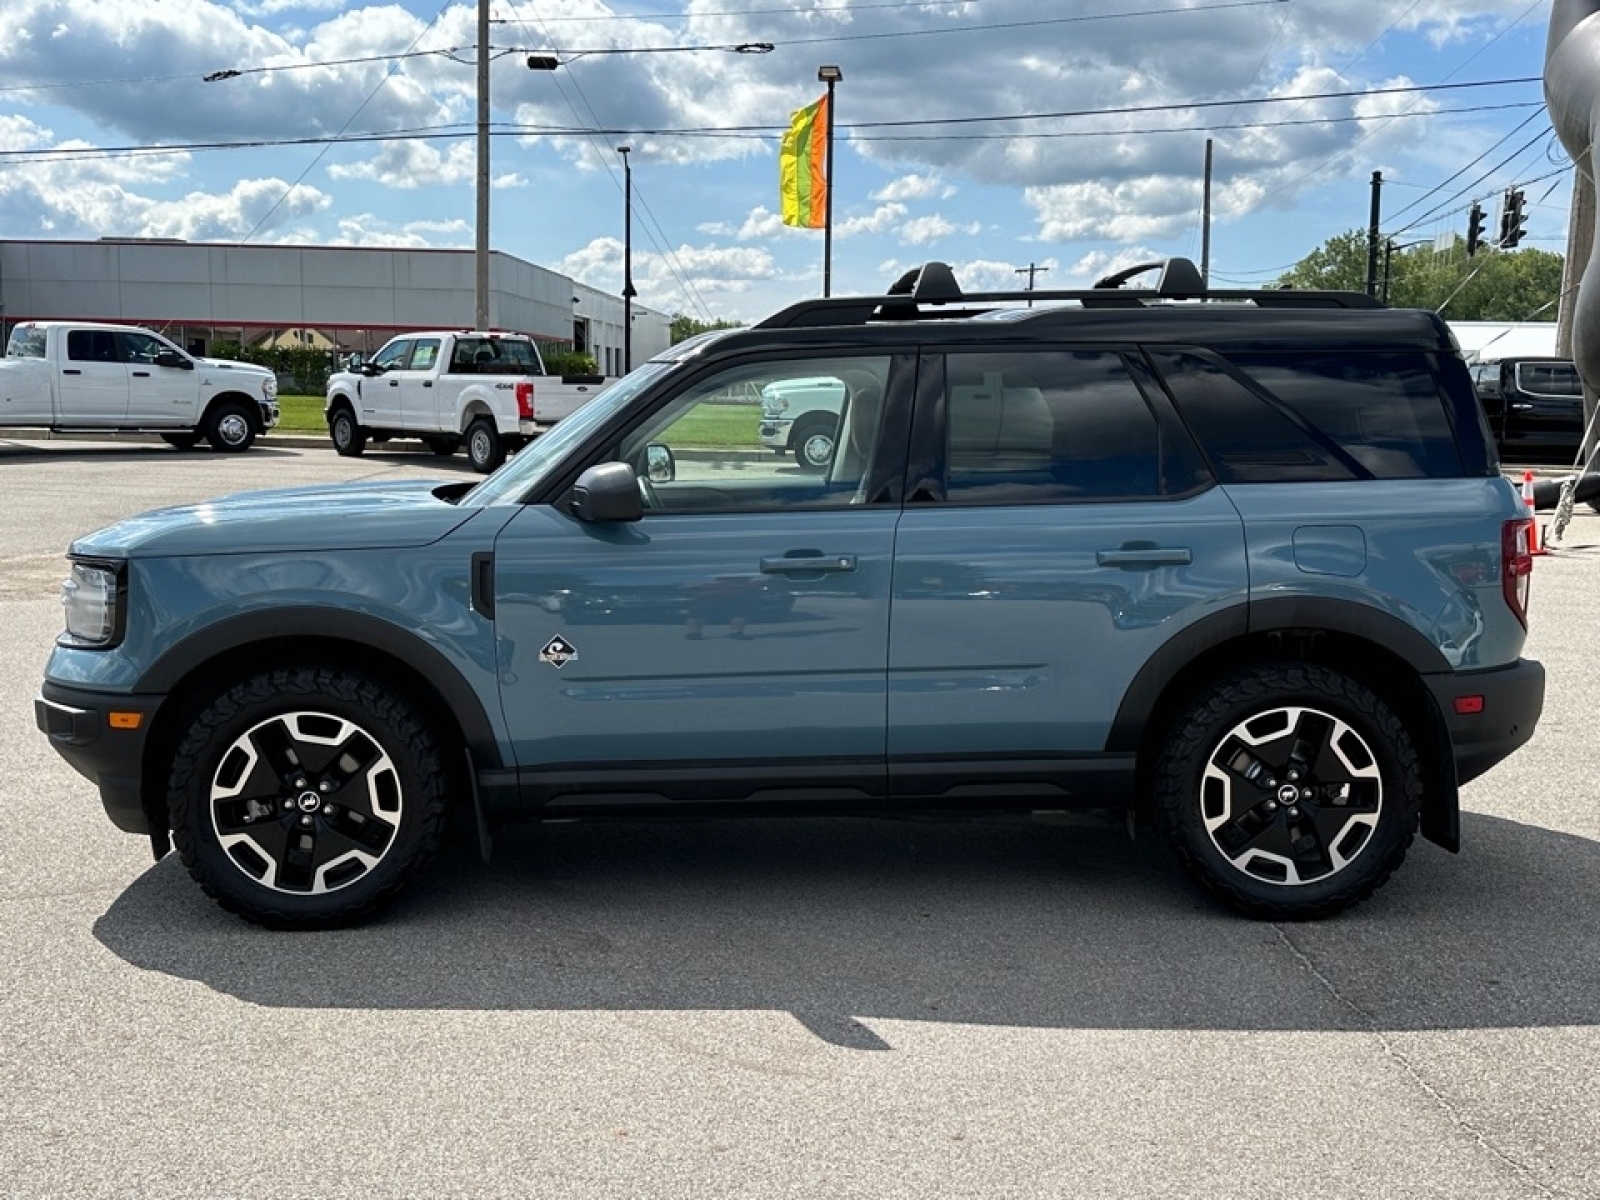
[424, 354]
[1265, 418]
[92, 345]
[1047, 427]
[1549, 379]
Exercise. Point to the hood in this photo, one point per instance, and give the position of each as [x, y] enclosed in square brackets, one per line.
[359, 516]
[228, 364]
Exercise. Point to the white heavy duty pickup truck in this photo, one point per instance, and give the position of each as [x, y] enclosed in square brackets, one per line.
[487, 389]
[75, 376]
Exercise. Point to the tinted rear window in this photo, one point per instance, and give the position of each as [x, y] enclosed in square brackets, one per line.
[494, 356]
[1282, 417]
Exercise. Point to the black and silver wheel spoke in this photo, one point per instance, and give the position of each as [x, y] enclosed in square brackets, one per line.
[1291, 795]
[305, 802]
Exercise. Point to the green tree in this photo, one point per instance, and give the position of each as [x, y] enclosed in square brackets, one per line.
[684, 326]
[1492, 285]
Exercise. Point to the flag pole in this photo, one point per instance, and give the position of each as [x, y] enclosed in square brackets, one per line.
[829, 75]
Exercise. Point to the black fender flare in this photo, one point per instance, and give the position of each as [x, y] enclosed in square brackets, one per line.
[352, 628]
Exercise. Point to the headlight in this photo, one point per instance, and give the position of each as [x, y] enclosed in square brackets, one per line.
[269, 387]
[92, 595]
[772, 404]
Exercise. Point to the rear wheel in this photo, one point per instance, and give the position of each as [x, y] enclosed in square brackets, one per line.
[486, 450]
[229, 427]
[306, 797]
[1289, 791]
[349, 439]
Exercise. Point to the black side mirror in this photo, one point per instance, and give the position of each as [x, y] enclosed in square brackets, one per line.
[171, 358]
[607, 492]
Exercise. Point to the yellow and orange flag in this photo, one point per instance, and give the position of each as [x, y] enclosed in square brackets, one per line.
[802, 179]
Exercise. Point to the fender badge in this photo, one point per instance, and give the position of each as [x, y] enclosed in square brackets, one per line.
[558, 652]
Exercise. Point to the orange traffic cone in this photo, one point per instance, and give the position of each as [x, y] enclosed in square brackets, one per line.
[1535, 542]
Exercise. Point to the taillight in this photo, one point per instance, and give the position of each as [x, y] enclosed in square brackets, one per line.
[1516, 565]
[525, 400]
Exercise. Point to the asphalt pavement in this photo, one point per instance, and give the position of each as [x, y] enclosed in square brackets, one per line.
[813, 1008]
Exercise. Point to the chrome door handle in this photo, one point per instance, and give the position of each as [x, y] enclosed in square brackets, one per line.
[808, 564]
[1175, 556]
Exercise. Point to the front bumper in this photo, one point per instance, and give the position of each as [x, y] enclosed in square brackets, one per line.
[269, 414]
[78, 724]
[1511, 700]
[774, 433]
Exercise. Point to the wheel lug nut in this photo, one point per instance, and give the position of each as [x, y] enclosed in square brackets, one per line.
[300, 781]
[329, 811]
[1294, 776]
[288, 804]
[1306, 793]
[1269, 782]
[325, 786]
[1294, 814]
[1271, 806]
[307, 819]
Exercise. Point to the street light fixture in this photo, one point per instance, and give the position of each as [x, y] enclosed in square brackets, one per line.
[829, 75]
[628, 292]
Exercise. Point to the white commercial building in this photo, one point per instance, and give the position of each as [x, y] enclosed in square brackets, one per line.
[201, 292]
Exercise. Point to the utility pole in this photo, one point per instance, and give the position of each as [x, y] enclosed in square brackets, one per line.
[1372, 233]
[1030, 271]
[1205, 221]
[481, 249]
[628, 292]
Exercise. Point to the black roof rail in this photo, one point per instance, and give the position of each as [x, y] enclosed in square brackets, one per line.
[930, 292]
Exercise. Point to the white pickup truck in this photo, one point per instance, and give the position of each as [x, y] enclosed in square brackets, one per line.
[487, 389]
[85, 377]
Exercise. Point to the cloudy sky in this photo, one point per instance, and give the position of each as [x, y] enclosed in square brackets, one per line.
[991, 134]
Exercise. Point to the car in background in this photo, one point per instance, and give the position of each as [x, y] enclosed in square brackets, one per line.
[1534, 406]
[801, 417]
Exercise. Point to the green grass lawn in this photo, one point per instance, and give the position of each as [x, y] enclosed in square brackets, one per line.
[300, 414]
[726, 425]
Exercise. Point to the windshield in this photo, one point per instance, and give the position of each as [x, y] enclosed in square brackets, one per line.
[530, 466]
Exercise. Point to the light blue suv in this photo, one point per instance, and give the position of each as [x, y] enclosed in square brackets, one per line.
[1238, 564]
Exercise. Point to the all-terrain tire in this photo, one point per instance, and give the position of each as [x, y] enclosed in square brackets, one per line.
[1289, 791]
[349, 439]
[307, 797]
[486, 449]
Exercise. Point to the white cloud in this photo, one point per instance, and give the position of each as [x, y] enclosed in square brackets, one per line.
[913, 187]
[920, 231]
[880, 220]
[365, 229]
[407, 165]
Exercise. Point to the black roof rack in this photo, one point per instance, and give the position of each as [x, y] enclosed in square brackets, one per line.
[930, 292]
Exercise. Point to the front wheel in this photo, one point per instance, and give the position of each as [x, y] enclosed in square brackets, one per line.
[349, 439]
[486, 449]
[813, 443]
[306, 797]
[229, 428]
[1289, 791]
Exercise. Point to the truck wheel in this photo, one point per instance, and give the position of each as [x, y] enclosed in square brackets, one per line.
[349, 439]
[444, 447]
[229, 428]
[813, 442]
[486, 450]
[306, 797]
[182, 441]
[1289, 791]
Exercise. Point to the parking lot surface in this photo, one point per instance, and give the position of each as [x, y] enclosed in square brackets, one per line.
[801, 1008]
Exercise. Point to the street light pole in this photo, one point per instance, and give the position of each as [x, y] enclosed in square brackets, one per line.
[628, 292]
[829, 75]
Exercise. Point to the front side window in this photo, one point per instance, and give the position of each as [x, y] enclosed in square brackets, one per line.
[1051, 426]
[140, 348]
[392, 355]
[723, 459]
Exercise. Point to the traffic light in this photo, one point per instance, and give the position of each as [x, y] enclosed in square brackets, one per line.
[1512, 221]
[1474, 229]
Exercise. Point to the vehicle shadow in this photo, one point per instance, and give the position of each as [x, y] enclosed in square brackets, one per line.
[54, 449]
[994, 921]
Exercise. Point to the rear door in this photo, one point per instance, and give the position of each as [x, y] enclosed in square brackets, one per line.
[92, 387]
[418, 408]
[1059, 531]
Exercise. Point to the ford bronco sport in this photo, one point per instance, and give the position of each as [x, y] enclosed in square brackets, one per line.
[1239, 563]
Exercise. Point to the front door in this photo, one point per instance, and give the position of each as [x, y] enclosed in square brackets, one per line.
[738, 633]
[157, 395]
[380, 392]
[93, 384]
[1064, 531]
